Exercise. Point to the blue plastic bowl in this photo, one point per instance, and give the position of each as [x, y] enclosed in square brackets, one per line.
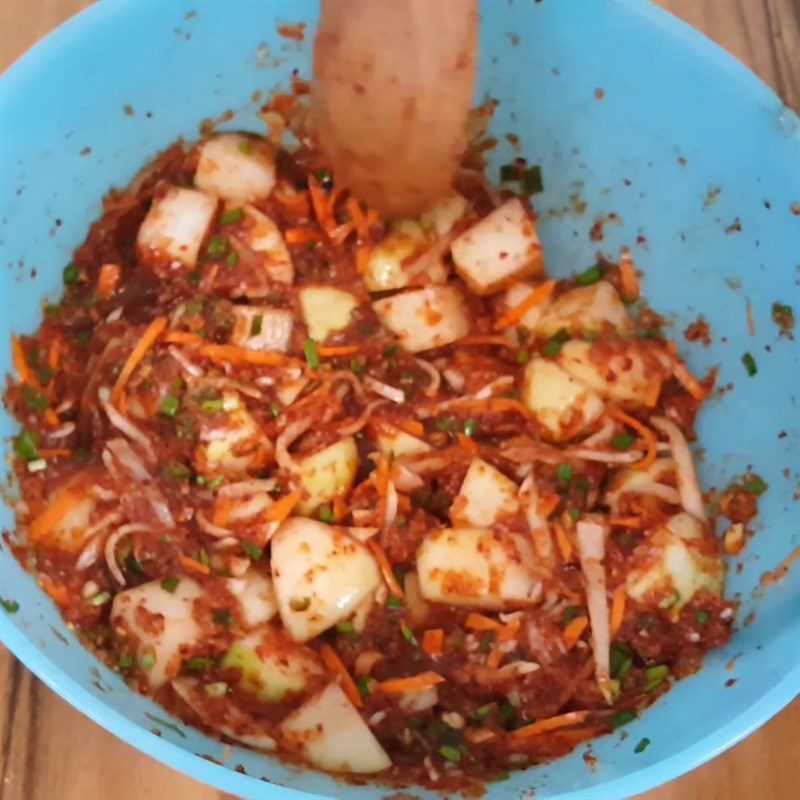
[679, 119]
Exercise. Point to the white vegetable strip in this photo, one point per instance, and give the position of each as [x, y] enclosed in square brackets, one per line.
[628, 457]
[282, 443]
[433, 387]
[688, 488]
[209, 527]
[111, 548]
[384, 390]
[591, 548]
[125, 425]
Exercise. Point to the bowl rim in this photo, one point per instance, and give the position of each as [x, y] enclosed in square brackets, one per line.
[225, 779]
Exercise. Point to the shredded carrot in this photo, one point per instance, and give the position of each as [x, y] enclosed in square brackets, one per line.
[416, 683]
[222, 512]
[551, 724]
[233, 354]
[342, 350]
[335, 666]
[650, 439]
[480, 622]
[359, 218]
[301, 236]
[547, 505]
[54, 353]
[652, 394]
[542, 543]
[386, 569]
[574, 631]
[625, 522]
[154, 330]
[51, 418]
[495, 657]
[339, 508]
[564, 544]
[183, 337]
[467, 443]
[686, 379]
[482, 339]
[55, 452]
[24, 372]
[413, 427]
[432, 641]
[510, 630]
[341, 232]
[363, 252]
[382, 476]
[194, 566]
[513, 315]
[63, 502]
[618, 607]
[319, 203]
[751, 322]
[628, 277]
[281, 509]
[107, 280]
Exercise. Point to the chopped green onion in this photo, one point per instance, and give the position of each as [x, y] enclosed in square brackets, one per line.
[216, 689]
[324, 178]
[194, 276]
[34, 400]
[217, 247]
[569, 614]
[622, 441]
[564, 472]
[450, 753]
[469, 427]
[325, 514]
[254, 552]
[215, 483]
[642, 746]
[394, 603]
[198, 662]
[501, 776]
[754, 484]
[363, 683]
[256, 324]
[408, 634]
[574, 514]
[749, 364]
[25, 446]
[212, 404]
[589, 276]
[486, 642]
[532, 180]
[701, 616]
[346, 626]
[179, 471]
[245, 146]
[170, 584]
[355, 367]
[447, 425]
[507, 713]
[310, 350]
[523, 356]
[203, 558]
[233, 215]
[274, 409]
[10, 606]
[83, 338]
[100, 599]
[623, 718]
[508, 172]
[125, 661]
[233, 258]
[170, 406]
[621, 660]
[147, 661]
[483, 712]
[552, 347]
[221, 616]
[655, 676]
[164, 539]
[71, 274]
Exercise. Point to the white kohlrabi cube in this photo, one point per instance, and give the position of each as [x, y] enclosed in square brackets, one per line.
[262, 328]
[425, 318]
[236, 167]
[485, 497]
[586, 309]
[175, 227]
[256, 597]
[320, 574]
[328, 473]
[501, 248]
[326, 310]
[262, 236]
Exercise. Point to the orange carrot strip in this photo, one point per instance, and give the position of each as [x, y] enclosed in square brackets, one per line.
[564, 544]
[551, 724]
[650, 439]
[51, 418]
[23, 369]
[301, 236]
[54, 353]
[234, 354]
[319, 203]
[194, 566]
[686, 379]
[415, 683]
[467, 443]
[510, 630]
[494, 658]
[382, 476]
[480, 622]
[338, 234]
[413, 427]
[154, 330]
[625, 522]
[55, 452]
[432, 641]
[574, 630]
[618, 607]
[386, 569]
[183, 337]
[363, 252]
[339, 508]
[628, 277]
[652, 394]
[64, 501]
[281, 509]
[222, 512]
[513, 315]
[107, 280]
[291, 199]
[341, 350]
[547, 505]
[482, 339]
[337, 668]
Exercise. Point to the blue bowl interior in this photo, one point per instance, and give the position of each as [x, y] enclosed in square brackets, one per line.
[669, 95]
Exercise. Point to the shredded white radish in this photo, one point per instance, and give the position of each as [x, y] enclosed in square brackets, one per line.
[405, 480]
[605, 457]
[500, 384]
[418, 700]
[537, 524]
[349, 378]
[125, 425]
[223, 544]
[238, 386]
[384, 390]
[111, 548]
[600, 436]
[128, 459]
[241, 488]
[209, 527]
[91, 551]
[361, 614]
[366, 660]
[101, 493]
[114, 315]
[64, 407]
[688, 487]
[292, 431]
[390, 512]
[377, 718]
[358, 423]
[237, 565]
[454, 378]
[175, 316]
[591, 548]
[60, 433]
[433, 387]
[362, 534]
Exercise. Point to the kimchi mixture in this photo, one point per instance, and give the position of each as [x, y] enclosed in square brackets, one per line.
[374, 495]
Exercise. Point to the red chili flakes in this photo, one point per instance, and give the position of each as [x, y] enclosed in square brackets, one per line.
[795, 209]
[599, 93]
[698, 331]
[596, 231]
[297, 32]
